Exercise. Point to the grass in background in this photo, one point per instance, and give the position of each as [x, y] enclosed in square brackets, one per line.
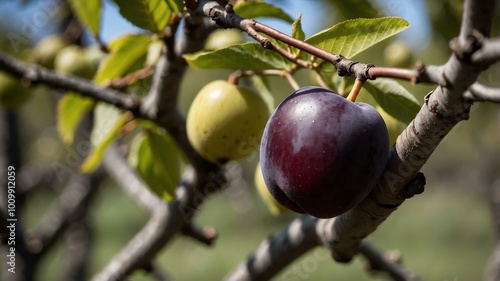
[442, 235]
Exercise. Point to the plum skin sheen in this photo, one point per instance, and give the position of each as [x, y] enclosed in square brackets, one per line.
[322, 154]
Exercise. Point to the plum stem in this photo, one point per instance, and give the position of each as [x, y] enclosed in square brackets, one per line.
[234, 77]
[353, 94]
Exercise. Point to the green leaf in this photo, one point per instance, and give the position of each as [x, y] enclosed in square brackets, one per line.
[152, 15]
[297, 31]
[159, 163]
[393, 98]
[89, 13]
[262, 86]
[261, 9]
[175, 5]
[108, 120]
[133, 155]
[247, 56]
[154, 52]
[71, 109]
[125, 53]
[351, 37]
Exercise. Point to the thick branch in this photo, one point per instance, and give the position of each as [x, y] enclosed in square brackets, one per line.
[443, 109]
[458, 73]
[302, 235]
[161, 101]
[477, 16]
[493, 268]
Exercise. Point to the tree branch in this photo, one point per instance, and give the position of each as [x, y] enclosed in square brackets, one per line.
[161, 101]
[488, 53]
[157, 273]
[275, 253]
[167, 219]
[479, 92]
[442, 110]
[79, 238]
[344, 66]
[458, 73]
[73, 200]
[206, 235]
[379, 262]
[477, 16]
[159, 106]
[302, 235]
[35, 74]
[492, 272]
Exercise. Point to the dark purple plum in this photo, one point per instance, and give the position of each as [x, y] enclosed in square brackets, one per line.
[322, 154]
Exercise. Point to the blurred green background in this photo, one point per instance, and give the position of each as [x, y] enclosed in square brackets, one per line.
[443, 234]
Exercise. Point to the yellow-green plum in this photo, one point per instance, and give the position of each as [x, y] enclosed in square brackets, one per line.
[12, 93]
[225, 121]
[73, 60]
[274, 206]
[47, 49]
[223, 38]
[398, 54]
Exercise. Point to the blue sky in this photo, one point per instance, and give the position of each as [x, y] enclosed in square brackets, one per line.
[114, 25]
[413, 11]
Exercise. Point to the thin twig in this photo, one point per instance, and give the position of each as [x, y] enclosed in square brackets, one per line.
[36, 74]
[224, 18]
[206, 235]
[479, 92]
[379, 262]
[489, 52]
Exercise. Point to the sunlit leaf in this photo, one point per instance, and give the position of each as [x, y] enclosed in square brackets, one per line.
[154, 52]
[125, 53]
[297, 31]
[103, 134]
[152, 15]
[158, 163]
[393, 98]
[351, 37]
[261, 9]
[89, 13]
[71, 109]
[262, 86]
[247, 56]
